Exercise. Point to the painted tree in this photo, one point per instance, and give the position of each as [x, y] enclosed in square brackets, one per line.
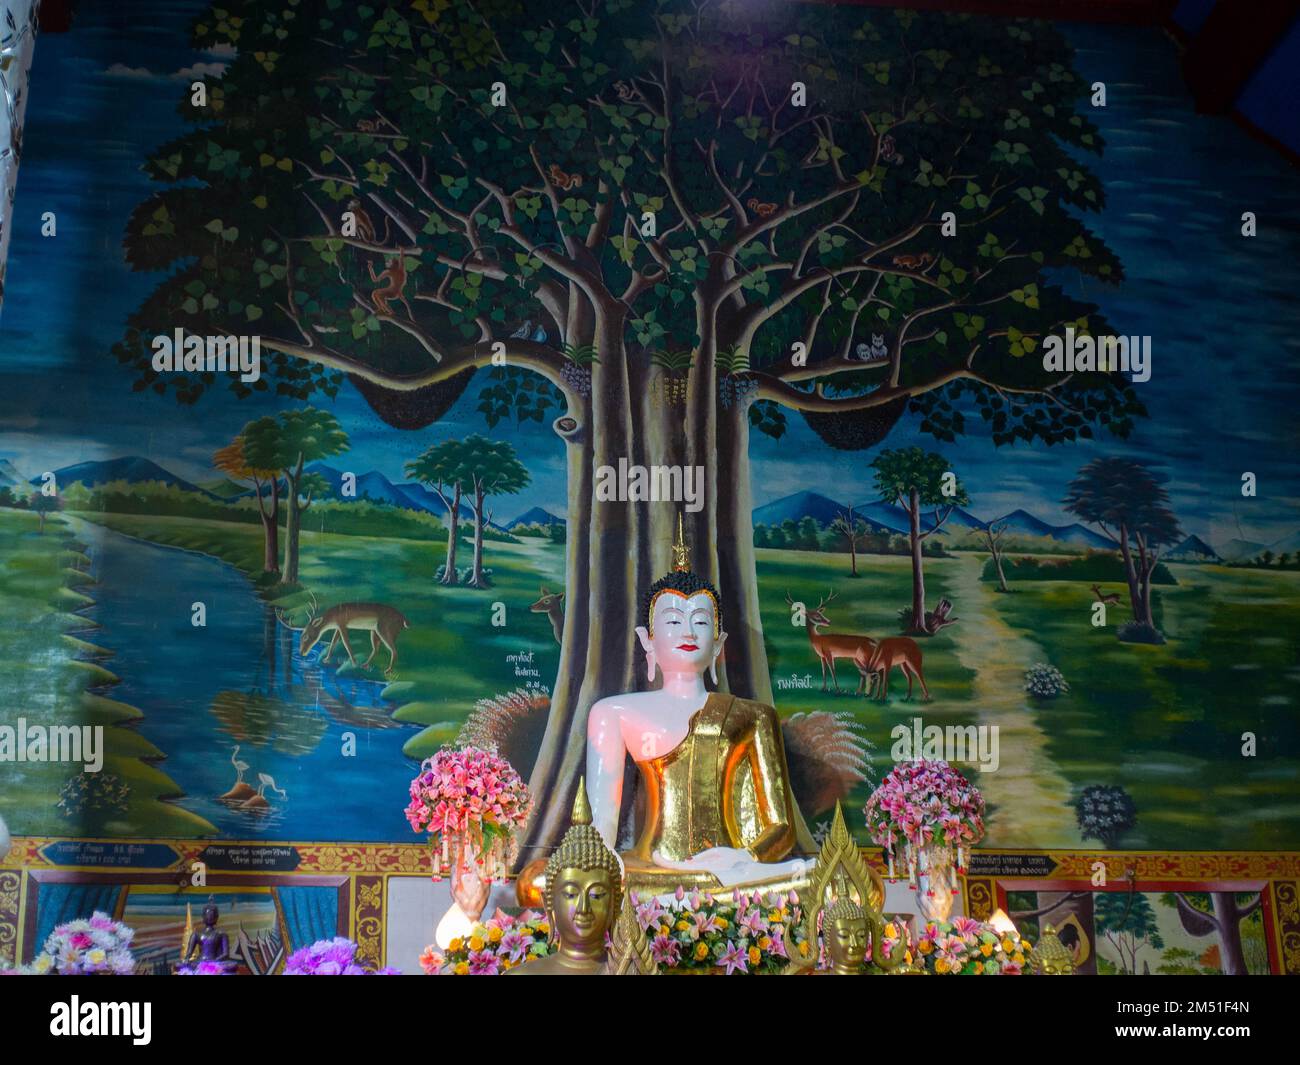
[758, 187]
[287, 442]
[914, 479]
[1128, 923]
[493, 470]
[993, 534]
[1218, 913]
[1125, 500]
[444, 468]
[230, 460]
[41, 505]
[851, 530]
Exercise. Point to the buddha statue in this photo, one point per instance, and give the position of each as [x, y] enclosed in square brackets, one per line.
[844, 931]
[211, 944]
[584, 886]
[719, 812]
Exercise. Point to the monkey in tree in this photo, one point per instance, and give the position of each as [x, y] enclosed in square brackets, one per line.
[365, 228]
[393, 277]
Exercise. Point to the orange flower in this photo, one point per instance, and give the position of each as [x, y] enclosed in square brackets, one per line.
[681, 926]
[941, 964]
[803, 948]
[755, 956]
[494, 936]
[462, 968]
[1007, 945]
[765, 943]
[456, 944]
[979, 967]
[925, 946]
[986, 949]
[475, 943]
[890, 931]
[701, 951]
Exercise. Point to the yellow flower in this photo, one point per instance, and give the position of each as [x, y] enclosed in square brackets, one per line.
[701, 951]
[96, 956]
[925, 946]
[803, 948]
[979, 967]
[720, 922]
[456, 944]
[506, 963]
[663, 929]
[765, 943]
[1007, 945]
[890, 931]
[1018, 958]
[755, 956]
[908, 957]
[986, 949]
[941, 964]
[462, 968]
[681, 926]
[494, 936]
[475, 942]
[544, 927]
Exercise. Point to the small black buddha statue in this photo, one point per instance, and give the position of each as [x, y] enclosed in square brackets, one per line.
[212, 945]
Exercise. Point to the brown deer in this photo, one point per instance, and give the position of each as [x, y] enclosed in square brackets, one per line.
[384, 623]
[552, 605]
[834, 645]
[1109, 598]
[900, 651]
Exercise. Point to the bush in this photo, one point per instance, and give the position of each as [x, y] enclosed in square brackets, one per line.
[1139, 632]
[1044, 682]
[1105, 812]
[1102, 567]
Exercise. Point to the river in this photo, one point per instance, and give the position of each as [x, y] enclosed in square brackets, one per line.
[238, 681]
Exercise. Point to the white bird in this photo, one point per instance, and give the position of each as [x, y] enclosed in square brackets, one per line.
[240, 766]
[268, 781]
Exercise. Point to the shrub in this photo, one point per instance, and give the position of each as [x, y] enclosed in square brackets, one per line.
[1044, 682]
[1105, 812]
[1139, 632]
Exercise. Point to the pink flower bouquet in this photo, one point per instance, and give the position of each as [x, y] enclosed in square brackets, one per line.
[492, 948]
[469, 797]
[925, 804]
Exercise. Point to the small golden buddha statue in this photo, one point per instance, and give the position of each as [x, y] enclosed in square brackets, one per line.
[719, 812]
[584, 887]
[844, 931]
[1049, 956]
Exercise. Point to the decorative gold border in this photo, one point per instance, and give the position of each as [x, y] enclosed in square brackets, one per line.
[369, 865]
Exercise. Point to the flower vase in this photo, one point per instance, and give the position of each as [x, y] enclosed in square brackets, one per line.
[935, 880]
[470, 887]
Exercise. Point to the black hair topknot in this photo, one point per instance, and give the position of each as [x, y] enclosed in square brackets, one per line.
[686, 583]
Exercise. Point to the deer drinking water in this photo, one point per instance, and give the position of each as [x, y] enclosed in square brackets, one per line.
[832, 645]
[384, 623]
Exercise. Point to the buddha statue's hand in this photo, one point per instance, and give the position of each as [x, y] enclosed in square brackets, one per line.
[731, 865]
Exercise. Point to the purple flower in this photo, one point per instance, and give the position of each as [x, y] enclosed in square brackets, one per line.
[483, 963]
[734, 959]
[665, 950]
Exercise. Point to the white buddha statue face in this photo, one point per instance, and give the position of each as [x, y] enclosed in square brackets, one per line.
[682, 640]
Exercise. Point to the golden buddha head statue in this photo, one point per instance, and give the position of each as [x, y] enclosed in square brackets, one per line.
[1051, 957]
[844, 931]
[683, 619]
[584, 886]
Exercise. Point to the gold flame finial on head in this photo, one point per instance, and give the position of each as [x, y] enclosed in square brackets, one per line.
[681, 557]
[581, 804]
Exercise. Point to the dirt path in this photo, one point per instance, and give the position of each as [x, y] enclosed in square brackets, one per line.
[1032, 798]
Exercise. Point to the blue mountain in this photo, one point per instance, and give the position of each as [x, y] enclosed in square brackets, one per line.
[373, 486]
[956, 522]
[130, 468]
[883, 517]
[1193, 548]
[797, 506]
[535, 516]
[1022, 523]
[1081, 534]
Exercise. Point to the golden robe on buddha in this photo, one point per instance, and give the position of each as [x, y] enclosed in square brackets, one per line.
[725, 785]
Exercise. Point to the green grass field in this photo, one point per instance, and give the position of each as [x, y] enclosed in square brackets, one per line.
[1165, 723]
[47, 674]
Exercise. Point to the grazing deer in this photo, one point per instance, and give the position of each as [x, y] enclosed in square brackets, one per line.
[552, 605]
[835, 645]
[1109, 598]
[900, 651]
[383, 622]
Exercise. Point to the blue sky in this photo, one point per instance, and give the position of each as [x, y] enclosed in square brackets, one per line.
[1220, 308]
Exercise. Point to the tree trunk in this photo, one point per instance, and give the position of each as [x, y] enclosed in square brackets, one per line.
[1130, 574]
[918, 571]
[1227, 915]
[291, 525]
[270, 528]
[476, 575]
[453, 526]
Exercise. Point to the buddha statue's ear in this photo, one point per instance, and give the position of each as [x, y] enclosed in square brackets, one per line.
[717, 653]
[647, 644]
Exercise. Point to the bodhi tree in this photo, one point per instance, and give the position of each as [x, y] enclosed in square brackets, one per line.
[671, 222]
[912, 479]
[493, 470]
[443, 469]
